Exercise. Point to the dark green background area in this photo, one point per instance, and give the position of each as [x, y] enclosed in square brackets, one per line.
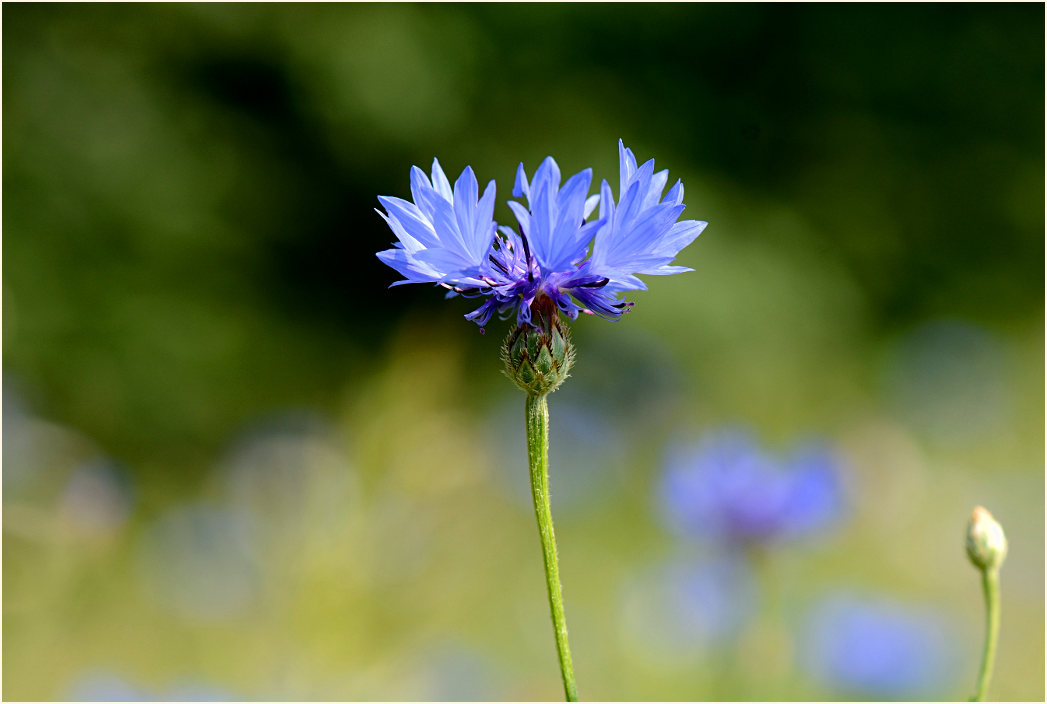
[189, 234]
[188, 189]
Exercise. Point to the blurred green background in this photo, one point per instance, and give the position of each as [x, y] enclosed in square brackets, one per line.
[237, 466]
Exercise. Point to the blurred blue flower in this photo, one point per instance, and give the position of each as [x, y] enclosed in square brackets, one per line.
[38, 453]
[97, 499]
[677, 609]
[454, 672]
[196, 691]
[880, 648]
[726, 487]
[448, 237]
[200, 561]
[99, 685]
[290, 473]
[102, 685]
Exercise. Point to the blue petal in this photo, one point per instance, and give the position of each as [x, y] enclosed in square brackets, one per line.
[407, 242]
[645, 234]
[626, 166]
[446, 225]
[466, 193]
[643, 177]
[540, 234]
[453, 267]
[411, 220]
[630, 204]
[655, 187]
[681, 235]
[569, 238]
[675, 194]
[440, 183]
[640, 234]
[422, 191]
[521, 188]
[412, 270]
[445, 235]
[590, 205]
[547, 175]
[606, 202]
[667, 270]
[485, 226]
[600, 301]
[523, 216]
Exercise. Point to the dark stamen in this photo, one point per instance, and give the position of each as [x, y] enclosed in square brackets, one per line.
[527, 253]
[501, 267]
[471, 292]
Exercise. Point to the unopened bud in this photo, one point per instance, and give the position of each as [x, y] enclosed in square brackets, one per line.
[986, 543]
[537, 358]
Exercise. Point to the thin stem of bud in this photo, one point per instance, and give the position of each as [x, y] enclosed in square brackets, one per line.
[991, 589]
[538, 461]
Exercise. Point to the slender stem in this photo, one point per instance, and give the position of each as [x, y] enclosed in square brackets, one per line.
[538, 460]
[991, 588]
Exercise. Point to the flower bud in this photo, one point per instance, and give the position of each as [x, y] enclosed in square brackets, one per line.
[986, 543]
[538, 357]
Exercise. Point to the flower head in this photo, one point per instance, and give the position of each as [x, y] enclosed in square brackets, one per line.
[449, 238]
[445, 235]
[537, 358]
[986, 543]
[874, 646]
[726, 487]
[675, 609]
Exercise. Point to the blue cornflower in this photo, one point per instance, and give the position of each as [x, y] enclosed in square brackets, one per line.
[448, 237]
[674, 609]
[875, 646]
[726, 487]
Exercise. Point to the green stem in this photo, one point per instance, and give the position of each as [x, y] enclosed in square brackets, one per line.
[991, 588]
[538, 460]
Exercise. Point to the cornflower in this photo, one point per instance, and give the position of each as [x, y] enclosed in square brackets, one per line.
[559, 262]
[873, 646]
[726, 487]
[448, 237]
